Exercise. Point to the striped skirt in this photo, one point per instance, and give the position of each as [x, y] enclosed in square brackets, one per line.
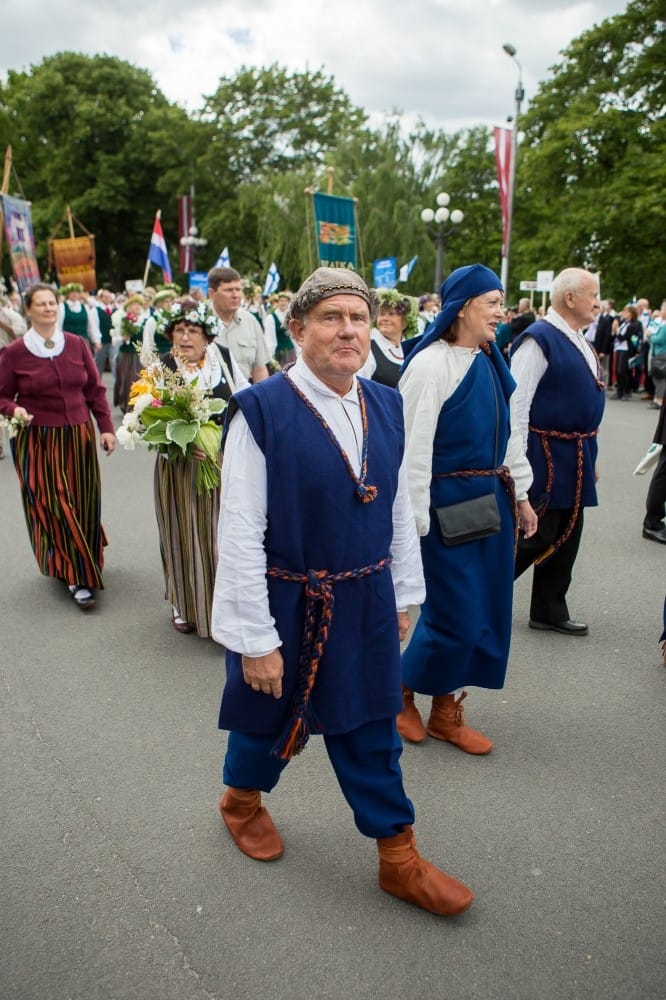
[128, 366]
[187, 525]
[58, 471]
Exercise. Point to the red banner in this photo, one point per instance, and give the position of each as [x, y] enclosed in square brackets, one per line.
[184, 225]
[503, 152]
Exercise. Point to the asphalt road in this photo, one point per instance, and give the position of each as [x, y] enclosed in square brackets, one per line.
[119, 881]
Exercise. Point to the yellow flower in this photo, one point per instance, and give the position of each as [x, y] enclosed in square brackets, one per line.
[142, 387]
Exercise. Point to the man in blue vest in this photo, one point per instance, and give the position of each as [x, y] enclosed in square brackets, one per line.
[560, 401]
[318, 563]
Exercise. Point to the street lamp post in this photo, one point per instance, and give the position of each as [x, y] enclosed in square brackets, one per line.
[441, 231]
[519, 95]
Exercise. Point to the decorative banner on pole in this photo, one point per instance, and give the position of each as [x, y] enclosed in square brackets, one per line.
[385, 272]
[21, 241]
[184, 226]
[74, 260]
[335, 230]
[157, 251]
[503, 151]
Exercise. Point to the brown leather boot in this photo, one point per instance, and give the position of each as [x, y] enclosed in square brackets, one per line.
[447, 722]
[405, 874]
[250, 824]
[408, 722]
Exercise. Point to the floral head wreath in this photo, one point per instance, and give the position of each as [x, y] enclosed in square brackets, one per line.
[404, 305]
[73, 286]
[198, 313]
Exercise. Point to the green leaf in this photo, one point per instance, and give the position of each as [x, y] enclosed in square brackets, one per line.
[155, 414]
[156, 434]
[182, 432]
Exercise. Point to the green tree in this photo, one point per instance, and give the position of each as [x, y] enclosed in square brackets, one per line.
[592, 167]
[95, 133]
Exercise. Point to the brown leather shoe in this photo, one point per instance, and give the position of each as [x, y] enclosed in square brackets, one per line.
[405, 874]
[447, 722]
[250, 824]
[408, 722]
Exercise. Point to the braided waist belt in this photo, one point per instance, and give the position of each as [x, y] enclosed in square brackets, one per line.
[578, 437]
[319, 605]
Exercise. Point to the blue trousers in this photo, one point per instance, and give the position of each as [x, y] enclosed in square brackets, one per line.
[366, 763]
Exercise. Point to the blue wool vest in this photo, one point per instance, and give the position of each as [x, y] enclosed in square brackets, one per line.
[567, 400]
[317, 522]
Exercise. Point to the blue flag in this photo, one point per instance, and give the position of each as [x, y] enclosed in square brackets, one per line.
[407, 269]
[224, 260]
[272, 280]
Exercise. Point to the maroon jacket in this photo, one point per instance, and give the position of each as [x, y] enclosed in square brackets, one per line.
[58, 391]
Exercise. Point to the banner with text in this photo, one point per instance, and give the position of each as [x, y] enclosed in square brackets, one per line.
[21, 241]
[335, 227]
[74, 260]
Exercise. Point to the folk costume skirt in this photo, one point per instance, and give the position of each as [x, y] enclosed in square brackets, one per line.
[187, 526]
[58, 471]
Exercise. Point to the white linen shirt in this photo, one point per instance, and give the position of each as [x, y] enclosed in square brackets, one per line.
[241, 618]
[430, 379]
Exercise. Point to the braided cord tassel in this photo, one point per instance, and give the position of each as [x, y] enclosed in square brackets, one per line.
[319, 605]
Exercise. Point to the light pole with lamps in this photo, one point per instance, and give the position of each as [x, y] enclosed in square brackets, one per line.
[194, 243]
[441, 231]
[519, 95]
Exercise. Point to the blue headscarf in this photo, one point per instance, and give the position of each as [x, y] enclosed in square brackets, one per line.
[462, 284]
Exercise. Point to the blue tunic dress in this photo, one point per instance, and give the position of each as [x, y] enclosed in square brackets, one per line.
[316, 521]
[578, 420]
[463, 635]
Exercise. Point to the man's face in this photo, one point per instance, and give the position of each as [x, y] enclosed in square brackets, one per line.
[584, 304]
[226, 298]
[334, 338]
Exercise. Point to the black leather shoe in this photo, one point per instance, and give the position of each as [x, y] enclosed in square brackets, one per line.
[566, 628]
[655, 534]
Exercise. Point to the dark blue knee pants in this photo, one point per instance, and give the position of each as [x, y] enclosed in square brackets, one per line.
[366, 763]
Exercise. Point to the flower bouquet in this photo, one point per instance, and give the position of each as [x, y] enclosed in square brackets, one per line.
[174, 417]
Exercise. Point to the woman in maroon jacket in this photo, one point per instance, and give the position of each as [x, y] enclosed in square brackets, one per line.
[50, 386]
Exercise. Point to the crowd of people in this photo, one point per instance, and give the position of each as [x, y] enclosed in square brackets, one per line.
[445, 447]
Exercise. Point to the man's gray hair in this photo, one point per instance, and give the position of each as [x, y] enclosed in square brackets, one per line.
[569, 280]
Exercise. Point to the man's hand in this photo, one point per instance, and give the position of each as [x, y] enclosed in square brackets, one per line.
[528, 522]
[403, 625]
[264, 673]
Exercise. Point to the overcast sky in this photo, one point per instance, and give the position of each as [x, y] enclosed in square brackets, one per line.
[438, 59]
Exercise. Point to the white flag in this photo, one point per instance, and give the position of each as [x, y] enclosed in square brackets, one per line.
[407, 269]
[224, 260]
[272, 280]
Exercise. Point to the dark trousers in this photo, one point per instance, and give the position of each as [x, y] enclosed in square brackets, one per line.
[551, 580]
[366, 763]
[656, 497]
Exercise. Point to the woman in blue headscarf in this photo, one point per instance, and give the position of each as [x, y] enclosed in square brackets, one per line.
[468, 480]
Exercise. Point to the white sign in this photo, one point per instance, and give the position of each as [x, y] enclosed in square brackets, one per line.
[528, 286]
[544, 280]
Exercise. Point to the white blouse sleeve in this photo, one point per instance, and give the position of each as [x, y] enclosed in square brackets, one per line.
[422, 405]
